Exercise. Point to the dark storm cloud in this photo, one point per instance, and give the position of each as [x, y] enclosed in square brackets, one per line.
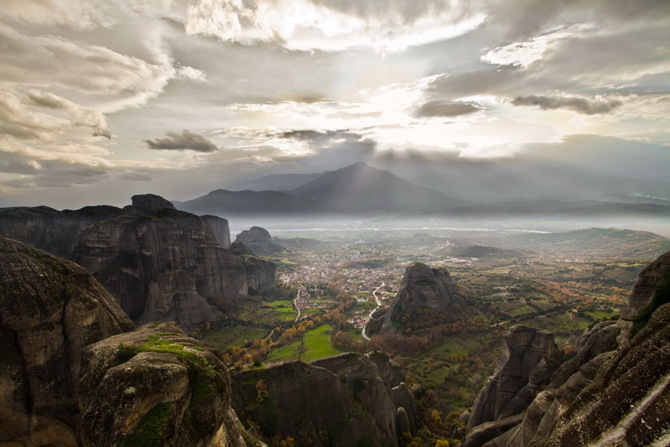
[446, 109]
[187, 141]
[580, 105]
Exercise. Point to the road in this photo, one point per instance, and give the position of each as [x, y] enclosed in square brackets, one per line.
[379, 304]
[295, 304]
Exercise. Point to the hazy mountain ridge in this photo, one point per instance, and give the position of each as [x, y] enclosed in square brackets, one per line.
[480, 190]
[275, 182]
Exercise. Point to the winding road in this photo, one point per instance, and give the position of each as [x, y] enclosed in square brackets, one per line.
[379, 304]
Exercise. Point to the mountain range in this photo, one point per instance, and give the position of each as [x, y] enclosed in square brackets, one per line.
[362, 190]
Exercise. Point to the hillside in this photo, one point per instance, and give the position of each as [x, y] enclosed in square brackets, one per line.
[594, 243]
[277, 182]
[223, 202]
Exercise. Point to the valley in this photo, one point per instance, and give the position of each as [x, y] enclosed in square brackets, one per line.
[559, 282]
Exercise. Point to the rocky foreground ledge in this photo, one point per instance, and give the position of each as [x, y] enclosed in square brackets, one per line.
[74, 371]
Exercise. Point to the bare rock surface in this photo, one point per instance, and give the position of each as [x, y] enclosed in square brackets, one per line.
[51, 309]
[136, 257]
[524, 368]
[56, 232]
[221, 229]
[422, 286]
[157, 387]
[260, 241]
[148, 204]
[339, 401]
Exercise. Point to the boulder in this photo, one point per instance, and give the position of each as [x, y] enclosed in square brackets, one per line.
[51, 309]
[403, 398]
[157, 387]
[238, 248]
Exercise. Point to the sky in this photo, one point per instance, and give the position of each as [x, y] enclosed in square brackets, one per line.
[100, 100]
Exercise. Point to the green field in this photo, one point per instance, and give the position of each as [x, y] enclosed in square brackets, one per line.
[317, 344]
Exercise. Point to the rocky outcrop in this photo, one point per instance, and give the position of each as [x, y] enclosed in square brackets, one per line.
[51, 309]
[260, 275]
[221, 229]
[135, 257]
[259, 240]
[240, 249]
[403, 399]
[525, 366]
[627, 403]
[645, 288]
[156, 386]
[172, 296]
[422, 287]
[339, 401]
[148, 204]
[613, 392]
[56, 232]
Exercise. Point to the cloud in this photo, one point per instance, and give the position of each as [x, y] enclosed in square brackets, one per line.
[187, 141]
[576, 104]
[332, 26]
[79, 116]
[446, 109]
[54, 62]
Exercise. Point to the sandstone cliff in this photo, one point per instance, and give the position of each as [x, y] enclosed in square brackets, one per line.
[56, 232]
[524, 368]
[422, 286]
[157, 387]
[172, 257]
[343, 401]
[221, 229]
[51, 309]
[259, 240]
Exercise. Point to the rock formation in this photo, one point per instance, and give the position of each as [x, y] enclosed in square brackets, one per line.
[221, 229]
[259, 240]
[524, 368]
[613, 392]
[51, 309]
[136, 257]
[338, 401]
[56, 232]
[422, 286]
[157, 387]
[73, 375]
[239, 249]
[148, 204]
[159, 263]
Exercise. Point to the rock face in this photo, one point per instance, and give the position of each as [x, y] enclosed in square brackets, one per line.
[645, 288]
[259, 240]
[627, 403]
[148, 204]
[157, 387]
[136, 257]
[524, 368]
[613, 392]
[339, 401]
[221, 229]
[239, 248]
[51, 309]
[56, 232]
[422, 286]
